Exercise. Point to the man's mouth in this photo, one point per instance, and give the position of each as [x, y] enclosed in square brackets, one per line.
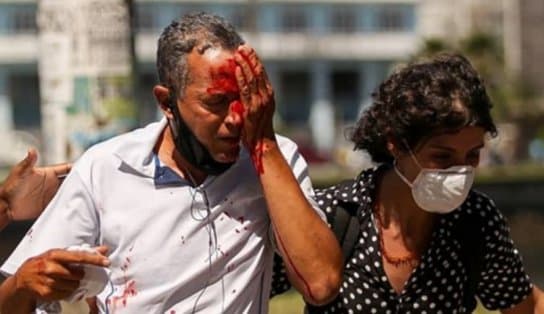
[231, 140]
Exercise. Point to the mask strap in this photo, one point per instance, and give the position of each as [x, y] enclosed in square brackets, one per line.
[403, 178]
[412, 154]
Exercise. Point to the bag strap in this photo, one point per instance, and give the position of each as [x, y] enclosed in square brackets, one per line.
[346, 227]
[469, 234]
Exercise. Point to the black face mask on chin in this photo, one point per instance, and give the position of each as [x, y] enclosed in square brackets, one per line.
[190, 147]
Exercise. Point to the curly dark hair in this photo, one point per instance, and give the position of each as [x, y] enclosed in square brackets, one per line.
[182, 35]
[423, 99]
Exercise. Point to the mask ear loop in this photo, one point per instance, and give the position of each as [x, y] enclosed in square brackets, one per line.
[412, 155]
[396, 168]
[401, 176]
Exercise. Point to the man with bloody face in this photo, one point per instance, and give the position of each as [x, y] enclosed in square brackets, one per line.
[192, 207]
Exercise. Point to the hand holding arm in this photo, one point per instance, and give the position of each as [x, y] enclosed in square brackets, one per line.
[27, 190]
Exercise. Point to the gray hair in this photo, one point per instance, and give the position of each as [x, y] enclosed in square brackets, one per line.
[180, 37]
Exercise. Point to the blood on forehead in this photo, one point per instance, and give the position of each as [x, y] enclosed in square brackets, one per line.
[224, 79]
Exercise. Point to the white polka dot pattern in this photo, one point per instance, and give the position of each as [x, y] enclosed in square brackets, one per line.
[437, 284]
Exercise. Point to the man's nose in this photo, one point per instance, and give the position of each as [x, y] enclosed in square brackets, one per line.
[235, 116]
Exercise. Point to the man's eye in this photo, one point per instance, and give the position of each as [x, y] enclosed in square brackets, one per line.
[217, 101]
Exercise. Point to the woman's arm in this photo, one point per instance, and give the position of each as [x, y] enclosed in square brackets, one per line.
[534, 303]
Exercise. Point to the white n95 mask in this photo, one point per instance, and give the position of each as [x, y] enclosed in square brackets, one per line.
[440, 190]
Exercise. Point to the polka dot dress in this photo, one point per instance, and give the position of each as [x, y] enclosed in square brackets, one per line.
[437, 284]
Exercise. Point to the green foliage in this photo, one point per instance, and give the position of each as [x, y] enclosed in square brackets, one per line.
[3, 174]
[120, 108]
[433, 46]
[290, 302]
[522, 172]
[515, 100]
[482, 45]
[510, 95]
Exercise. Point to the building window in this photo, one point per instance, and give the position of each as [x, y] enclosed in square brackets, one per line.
[25, 93]
[24, 21]
[145, 19]
[343, 20]
[345, 95]
[240, 19]
[294, 19]
[390, 18]
[294, 103]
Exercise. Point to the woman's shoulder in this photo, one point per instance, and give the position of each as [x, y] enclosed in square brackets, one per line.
[479, 204]
[350, 195]
[351, 187]
[480, 209]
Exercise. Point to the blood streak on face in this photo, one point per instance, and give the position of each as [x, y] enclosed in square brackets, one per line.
[257, 154]
[224, 79]
[224, 82]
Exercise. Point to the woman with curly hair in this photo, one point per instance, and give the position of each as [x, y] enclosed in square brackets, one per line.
[426, 241]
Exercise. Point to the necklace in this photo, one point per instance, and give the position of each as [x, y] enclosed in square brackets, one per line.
[409, 259]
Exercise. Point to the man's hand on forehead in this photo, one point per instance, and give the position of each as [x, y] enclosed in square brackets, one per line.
[257, 98]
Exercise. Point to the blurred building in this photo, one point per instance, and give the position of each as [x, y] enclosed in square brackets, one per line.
[19, 88]
[524, 50]
[324, 57]
[455, 20]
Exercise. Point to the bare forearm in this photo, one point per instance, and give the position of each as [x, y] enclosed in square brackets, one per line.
[539, 300]
[13, 300]
[309, 248]
[534, 304]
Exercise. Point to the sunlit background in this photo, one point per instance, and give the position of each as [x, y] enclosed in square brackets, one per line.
[76, 72]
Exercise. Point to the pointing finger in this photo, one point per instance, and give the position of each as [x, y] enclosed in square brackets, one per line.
[79, 257]
[103, 250]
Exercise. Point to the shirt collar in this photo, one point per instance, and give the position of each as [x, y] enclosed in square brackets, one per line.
[165, 176]
[136, 150]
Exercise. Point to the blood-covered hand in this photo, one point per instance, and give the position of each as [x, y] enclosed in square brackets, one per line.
[55, 274]
[257, 103]
[27, 190]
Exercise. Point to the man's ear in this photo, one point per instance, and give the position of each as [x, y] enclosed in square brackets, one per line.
[162, 95]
